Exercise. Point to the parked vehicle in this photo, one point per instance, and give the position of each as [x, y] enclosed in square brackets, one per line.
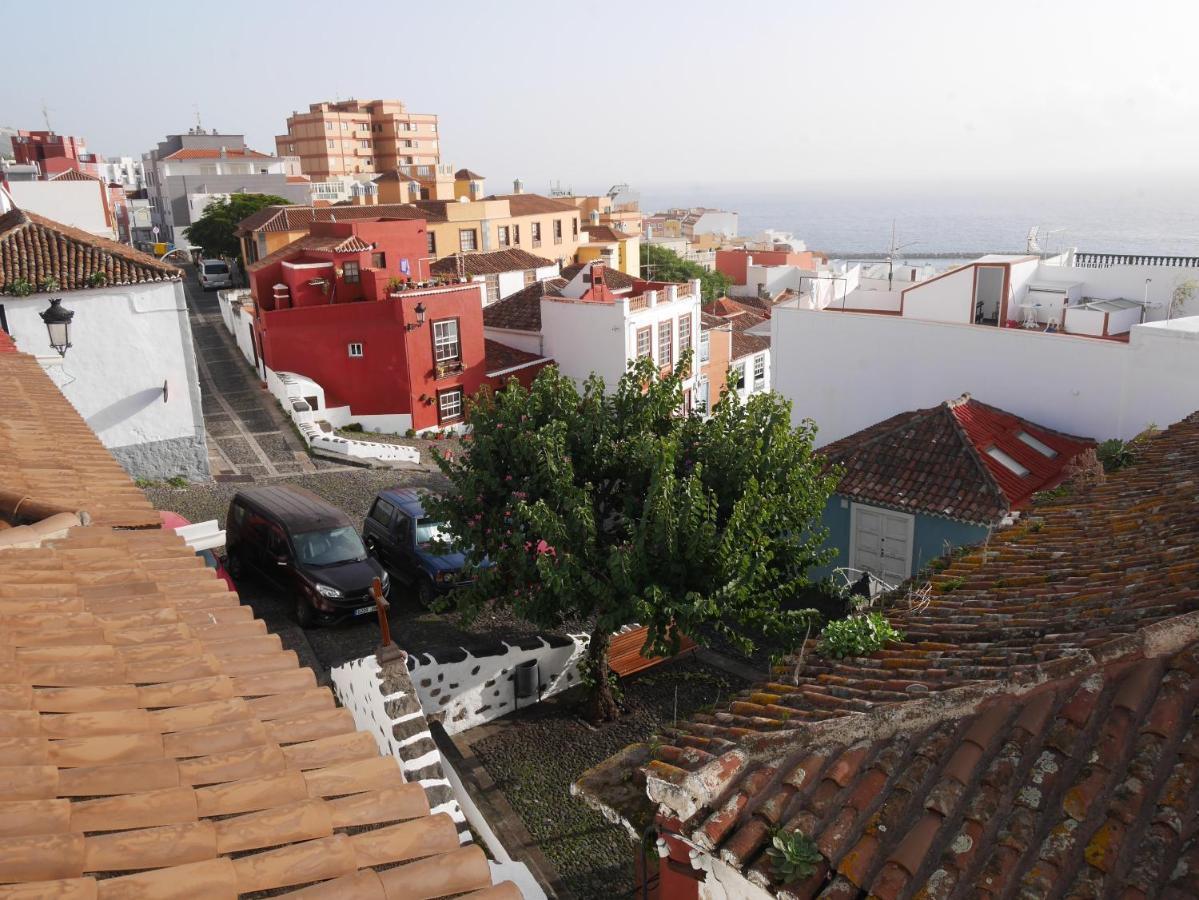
[203, 541]
[400, 536]
[306, 547]
[214, 274]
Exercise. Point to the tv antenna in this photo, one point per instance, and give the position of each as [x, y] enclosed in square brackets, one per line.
[46, 117]
[892, 250]
[199, 125]
[1035, 236]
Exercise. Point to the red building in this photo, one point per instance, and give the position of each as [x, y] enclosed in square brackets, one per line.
[53, 153]
[734, 263]
[343, 306]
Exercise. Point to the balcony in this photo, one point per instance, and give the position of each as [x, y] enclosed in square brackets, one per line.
[447, 367]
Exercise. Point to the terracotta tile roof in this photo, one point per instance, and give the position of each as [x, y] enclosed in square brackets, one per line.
[707, 320]
[603, 233]
[502, 358]
[323, 243]
[727, 308]
[298, 218]
[533, 204]
[35, 248]
[936, 461]
[614, 278]
[745, 344]
[215, 153]
[157, 740]
[73, 175]
[1036, 733]
[49, 454]
[491, 263]
[521, 311]
[468, 175]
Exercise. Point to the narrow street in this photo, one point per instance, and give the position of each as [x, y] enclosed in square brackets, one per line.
[248, 437]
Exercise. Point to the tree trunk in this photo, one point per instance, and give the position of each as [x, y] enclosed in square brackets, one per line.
[602, 705]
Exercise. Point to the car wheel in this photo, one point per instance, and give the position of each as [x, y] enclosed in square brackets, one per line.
[305, 612]
[425, 593]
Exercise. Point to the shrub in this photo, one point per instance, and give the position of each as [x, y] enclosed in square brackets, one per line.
[1115, 454]
[177, 481]
[410, 433]
[793, 855]
[97, 279]
[355, 427]
[857, 635]
[48, 285]
[949, 585]
[19, 288]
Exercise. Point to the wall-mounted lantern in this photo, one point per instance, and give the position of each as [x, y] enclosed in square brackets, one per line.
[58, 324]
[420, 316]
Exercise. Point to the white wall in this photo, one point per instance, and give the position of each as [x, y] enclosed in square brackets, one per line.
[79, 204]
[847, 371]
[528, 341]
[942, 299]
[1129, 282]
[584, 337]
[127, 342]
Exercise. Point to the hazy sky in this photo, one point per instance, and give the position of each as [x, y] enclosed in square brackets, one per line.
[650, 92]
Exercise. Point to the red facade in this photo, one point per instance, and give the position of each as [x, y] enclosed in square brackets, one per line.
[358, 333]
[53, 153]
[735, 263]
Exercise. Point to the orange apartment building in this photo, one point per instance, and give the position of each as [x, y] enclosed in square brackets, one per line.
[359, 137]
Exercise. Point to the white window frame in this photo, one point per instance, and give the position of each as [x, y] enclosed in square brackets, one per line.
[759, 377]
[444, 341]
[442, 415]
[685, 345]
[705, 346]
[648, 331]
[666, 348]
[354, 350]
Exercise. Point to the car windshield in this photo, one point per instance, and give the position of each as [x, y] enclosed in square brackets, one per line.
[327, 548]
[430, 530]
[216, 269]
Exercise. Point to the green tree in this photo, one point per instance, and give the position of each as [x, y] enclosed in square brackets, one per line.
[663, 264]
[613, 508]
[214, 231]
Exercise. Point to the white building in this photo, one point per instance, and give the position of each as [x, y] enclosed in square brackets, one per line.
[73, 198]
[1059, 342]
[503, 272]
[123, 170]
[600, 321]
[131, 369]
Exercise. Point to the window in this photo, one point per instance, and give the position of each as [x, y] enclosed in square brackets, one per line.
[328, 126]
[505, 238]
[445, 341]
[343, 126]
[530, 277]
[379, 260]
[433, 127]
[355, 351]
[557, 231]
[1042, 448]
[759, 371]
[705, 346]
[739, 376]
[1007, 462]
[493, 288]
[331, 144]
[468, 240]
[350, 272]
[684, 333]
[364, 144]
[382, 511]
[574, 229]
[516, 235]
[3, 320]
[666, 343]
[644, 341]
[449, 405]
[702, 391]
[536, 228]
[431, 243]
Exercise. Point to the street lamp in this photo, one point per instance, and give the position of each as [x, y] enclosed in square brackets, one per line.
[58, 324]
[420, 316]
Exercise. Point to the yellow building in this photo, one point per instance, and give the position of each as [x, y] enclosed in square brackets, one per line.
[612, 247]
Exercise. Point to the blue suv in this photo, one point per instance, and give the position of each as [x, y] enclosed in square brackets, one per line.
[401, 537]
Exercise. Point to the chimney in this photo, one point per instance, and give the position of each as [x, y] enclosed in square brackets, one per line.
[518, 186]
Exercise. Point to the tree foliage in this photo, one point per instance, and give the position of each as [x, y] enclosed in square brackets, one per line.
[214, 231]
[613, 508]
[663, 264]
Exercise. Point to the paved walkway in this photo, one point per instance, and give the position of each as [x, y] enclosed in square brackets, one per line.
[248, 437]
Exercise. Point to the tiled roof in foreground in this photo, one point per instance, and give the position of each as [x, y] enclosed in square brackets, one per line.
[156, 741]
[490, 263]
[36, 249]
[1035, 734]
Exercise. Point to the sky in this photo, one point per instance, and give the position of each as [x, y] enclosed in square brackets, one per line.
[651, 93]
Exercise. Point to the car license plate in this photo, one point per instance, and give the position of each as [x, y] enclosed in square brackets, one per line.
[365, 611]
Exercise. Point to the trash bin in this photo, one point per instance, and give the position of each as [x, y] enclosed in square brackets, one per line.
[527, 677]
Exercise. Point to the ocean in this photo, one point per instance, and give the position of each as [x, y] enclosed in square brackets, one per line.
[1106, 215]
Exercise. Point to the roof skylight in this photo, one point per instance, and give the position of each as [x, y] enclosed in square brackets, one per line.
[1007, 462]
[1041, 447]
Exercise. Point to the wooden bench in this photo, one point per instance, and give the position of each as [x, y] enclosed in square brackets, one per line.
[625, 656]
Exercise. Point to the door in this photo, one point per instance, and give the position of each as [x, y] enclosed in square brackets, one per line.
[278, 561]
[881, 542]
[379, 532]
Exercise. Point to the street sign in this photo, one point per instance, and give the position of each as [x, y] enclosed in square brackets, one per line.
[154, 231]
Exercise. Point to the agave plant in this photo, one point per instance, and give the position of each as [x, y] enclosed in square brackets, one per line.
[792, 855]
